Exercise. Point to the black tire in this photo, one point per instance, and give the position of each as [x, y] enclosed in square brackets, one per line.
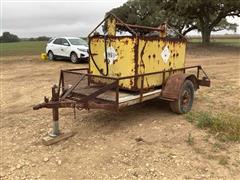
[74, 58]
[51, 56]
[185, 99]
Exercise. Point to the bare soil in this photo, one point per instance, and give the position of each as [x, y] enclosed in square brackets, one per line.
[145, 141]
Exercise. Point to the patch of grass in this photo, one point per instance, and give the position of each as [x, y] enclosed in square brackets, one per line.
[22, 48]
[223, 160]
[225, 126]
[199, 150]
[218, 146]
[211, 157]
[206, 138]
[190, 139]
[238, 161]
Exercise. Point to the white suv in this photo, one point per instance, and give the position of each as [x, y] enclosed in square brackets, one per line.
[71, 47]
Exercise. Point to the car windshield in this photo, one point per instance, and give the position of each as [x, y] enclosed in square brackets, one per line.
[50, 40]
[77, 41]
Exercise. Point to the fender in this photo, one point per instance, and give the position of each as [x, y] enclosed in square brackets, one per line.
[174, 83]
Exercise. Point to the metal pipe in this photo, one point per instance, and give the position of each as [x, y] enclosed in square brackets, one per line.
[117, 93]
[141, 27]
[157, 72]
[55, 97]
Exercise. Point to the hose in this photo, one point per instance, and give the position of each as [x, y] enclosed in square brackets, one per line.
[106, 59]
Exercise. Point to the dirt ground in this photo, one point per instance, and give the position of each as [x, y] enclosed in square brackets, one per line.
[105, 145]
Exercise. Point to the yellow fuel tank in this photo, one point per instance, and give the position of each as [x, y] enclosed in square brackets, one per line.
[132, 55]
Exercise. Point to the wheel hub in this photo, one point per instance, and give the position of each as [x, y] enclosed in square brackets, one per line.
[186, 98]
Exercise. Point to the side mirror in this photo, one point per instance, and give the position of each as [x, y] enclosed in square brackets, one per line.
[66, 44]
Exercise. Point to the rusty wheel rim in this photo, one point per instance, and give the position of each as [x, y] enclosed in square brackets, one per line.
[186, 98]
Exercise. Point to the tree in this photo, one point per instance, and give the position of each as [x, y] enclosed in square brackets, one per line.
[8, 37]
[208, 15]
[42, 38]
[184, 15]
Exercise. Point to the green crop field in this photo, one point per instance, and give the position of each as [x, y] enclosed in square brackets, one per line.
[219, 41]
[22, 48]
[37, 47]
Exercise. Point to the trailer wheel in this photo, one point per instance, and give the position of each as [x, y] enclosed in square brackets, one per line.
[185, 99]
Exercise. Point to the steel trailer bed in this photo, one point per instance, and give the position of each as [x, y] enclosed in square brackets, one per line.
[79, 89]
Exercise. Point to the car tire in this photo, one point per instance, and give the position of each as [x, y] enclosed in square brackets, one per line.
[185, 99]
[51, 56]
[74, 58]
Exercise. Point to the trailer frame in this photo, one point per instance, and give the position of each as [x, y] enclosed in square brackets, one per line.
[63, 97]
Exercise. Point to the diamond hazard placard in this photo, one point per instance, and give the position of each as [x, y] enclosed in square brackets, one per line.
[165, 54]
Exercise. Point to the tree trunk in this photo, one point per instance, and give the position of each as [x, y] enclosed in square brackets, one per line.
[206, 33]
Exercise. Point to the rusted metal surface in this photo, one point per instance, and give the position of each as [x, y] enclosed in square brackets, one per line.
[134, 55]
[55, 112]
[136, 60]
[98, 92]
[140, 28]
[76, 97]
[136, 65]
[147, 66]
[204, 82]
[125, 48]
[173, 85]
[118, 20]
[72, 88]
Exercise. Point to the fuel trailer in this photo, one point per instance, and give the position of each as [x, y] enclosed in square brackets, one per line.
[128, 64]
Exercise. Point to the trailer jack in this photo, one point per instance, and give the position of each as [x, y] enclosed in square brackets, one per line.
[54, 136]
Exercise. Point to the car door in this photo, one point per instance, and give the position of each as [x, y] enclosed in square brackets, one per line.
[55, 47]
[65, 48]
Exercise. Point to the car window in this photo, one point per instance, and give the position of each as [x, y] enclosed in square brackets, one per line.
[57, 41]
[77, 41]
[50, 40]
[64, 41]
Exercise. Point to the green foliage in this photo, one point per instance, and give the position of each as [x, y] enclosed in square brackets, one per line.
[40, 38]
[223, 160]
[223, 24]
[208, 15]
[190, 139]
[225, 126]
[184, 15]
[8, 37]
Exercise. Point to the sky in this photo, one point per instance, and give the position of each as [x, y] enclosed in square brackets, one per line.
[33, 18]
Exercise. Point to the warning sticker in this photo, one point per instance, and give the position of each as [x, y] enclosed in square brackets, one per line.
[111, 55]
[165, 54]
